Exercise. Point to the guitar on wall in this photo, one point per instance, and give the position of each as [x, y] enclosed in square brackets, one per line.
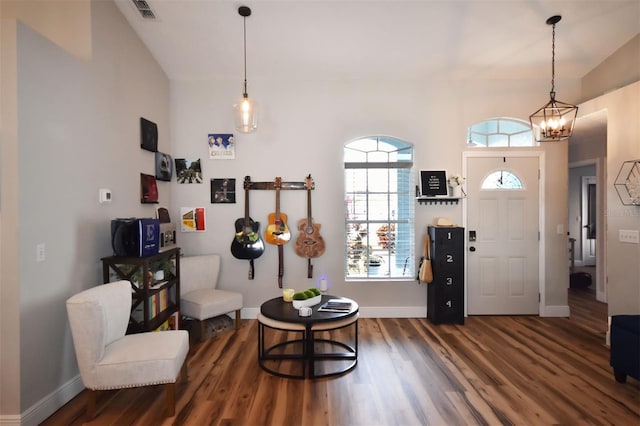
[247, 243]
[277, 232]
[310, 243]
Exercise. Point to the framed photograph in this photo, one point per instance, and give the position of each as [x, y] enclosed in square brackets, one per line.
[148, 189]
[148, 135]
[164, 166]
[222, 146]
[433, 183]
[223, 190]
[188, 170]
[192, 219]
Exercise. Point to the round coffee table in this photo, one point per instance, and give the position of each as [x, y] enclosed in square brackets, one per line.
[280, 315]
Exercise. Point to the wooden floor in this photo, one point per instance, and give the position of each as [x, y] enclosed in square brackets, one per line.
[490, 371]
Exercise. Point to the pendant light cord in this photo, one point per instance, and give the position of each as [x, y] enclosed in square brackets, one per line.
[244, 21]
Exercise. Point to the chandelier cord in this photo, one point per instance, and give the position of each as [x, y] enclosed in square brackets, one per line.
[553, 60]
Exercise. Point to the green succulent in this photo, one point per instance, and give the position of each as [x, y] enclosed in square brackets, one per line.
[300, 296]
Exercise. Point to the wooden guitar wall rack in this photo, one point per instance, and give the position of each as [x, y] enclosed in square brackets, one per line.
[277, 232]
[271, 186]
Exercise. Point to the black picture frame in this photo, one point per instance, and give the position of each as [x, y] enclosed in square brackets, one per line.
[148, 135]
[433, 183]
[164, 166]
[223, 191]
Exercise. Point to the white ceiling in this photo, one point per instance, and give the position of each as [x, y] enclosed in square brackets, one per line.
[388, 39]
[385, 39]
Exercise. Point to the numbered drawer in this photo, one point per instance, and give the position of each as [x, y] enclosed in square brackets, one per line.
[449, 291]
[447, 315]
[447, 237]
[448, 259]
[452, 281]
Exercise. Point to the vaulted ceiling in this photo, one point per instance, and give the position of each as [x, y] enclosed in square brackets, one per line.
[382, 39]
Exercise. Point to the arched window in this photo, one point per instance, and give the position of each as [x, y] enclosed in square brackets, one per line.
[501, 132]
[502, 179]
[379, 206]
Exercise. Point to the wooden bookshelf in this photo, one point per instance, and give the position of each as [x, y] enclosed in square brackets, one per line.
[155, 303]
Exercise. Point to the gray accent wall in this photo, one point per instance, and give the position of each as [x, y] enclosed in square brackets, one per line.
[77, 130]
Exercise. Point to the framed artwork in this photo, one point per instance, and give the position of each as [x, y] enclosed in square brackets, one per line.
[148, 189]
[148, 135]
[188, 170]
[192, 219]
[222, 146]
[164, 166]
[223, 190]
[433, 183]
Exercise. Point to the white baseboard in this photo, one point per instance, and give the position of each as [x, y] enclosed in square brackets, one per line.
[555, 311]
[393, 312]
[10, 420]
[51, 403]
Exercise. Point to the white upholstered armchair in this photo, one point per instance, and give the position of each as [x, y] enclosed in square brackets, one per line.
[109, 359]
[199, 297]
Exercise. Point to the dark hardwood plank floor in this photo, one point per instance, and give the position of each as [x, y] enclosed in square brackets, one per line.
[492, 370]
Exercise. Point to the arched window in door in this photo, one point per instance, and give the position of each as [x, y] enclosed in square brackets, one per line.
[502, 179]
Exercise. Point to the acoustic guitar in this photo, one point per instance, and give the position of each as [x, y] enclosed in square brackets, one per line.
[310, 243]
[247, 243]
[277, 232]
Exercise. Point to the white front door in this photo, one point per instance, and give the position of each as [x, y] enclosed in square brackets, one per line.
[503, 218]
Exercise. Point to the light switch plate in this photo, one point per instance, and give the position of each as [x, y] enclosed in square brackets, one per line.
[629, 236]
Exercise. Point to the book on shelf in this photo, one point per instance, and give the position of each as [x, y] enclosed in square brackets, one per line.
[156, 284]
[163, 300]
[335, 305]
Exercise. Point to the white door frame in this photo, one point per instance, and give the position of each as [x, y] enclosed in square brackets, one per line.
[601, 246]
[541, 218]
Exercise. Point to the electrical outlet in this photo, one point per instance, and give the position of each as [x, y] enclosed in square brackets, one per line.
[40, 253]
[629, 236]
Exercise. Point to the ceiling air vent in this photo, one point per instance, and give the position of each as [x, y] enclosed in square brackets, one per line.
[144, 9]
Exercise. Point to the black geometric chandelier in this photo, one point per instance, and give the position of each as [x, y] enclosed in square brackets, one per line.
[554, 121]
[246, 109]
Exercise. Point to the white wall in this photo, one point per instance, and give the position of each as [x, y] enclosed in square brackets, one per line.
[623, 134]
[303, 129]
[77, 131]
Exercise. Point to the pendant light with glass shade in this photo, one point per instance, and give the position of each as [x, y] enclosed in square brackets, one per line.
[245, 111]
[554, 121]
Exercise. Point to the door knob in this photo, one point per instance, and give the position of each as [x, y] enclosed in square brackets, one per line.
[472, 248]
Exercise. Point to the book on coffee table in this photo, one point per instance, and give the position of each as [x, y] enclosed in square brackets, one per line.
[335, 305]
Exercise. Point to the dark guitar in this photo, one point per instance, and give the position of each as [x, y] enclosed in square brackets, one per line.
[309, 243]
[247, 243]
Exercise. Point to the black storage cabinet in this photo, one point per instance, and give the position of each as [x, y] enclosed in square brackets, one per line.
[445, 295]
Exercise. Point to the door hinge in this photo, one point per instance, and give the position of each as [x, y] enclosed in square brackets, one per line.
[539, 298]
